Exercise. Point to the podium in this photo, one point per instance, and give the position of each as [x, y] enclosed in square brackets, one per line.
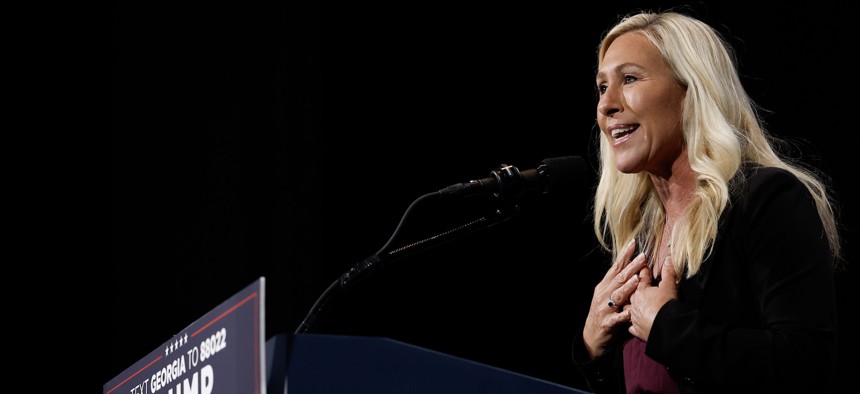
[224, 352]
[321, 364]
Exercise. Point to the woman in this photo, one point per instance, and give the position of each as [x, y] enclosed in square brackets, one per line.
[723, 248]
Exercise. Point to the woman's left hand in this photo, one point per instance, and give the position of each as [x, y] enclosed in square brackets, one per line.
[647, 300]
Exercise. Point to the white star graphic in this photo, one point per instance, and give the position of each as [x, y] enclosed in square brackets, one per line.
[165, 351]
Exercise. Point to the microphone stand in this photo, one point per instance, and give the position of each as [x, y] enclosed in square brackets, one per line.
[506, 210]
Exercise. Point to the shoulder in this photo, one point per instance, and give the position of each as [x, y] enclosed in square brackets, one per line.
[771, 177]
[761, 185]
[772, 195]
[776, 219]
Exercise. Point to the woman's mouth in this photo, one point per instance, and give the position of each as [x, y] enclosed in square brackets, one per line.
[621, 132]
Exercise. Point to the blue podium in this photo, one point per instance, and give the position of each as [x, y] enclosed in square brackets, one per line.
[322, 364]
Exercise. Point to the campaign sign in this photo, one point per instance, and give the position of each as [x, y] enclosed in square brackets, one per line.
[222, 352]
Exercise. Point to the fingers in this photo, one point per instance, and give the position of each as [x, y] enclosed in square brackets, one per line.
[622, 294]
[616, 289]
[645, 277]
[668, 273]
[630, 270]
[623, 257]
[627, 253]
[612, 320]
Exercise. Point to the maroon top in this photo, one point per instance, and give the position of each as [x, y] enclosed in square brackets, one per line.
[642, 374]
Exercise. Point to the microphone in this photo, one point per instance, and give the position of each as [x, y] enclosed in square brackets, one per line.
[553, 175]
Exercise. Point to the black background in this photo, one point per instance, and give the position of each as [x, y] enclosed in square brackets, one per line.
[286, 140]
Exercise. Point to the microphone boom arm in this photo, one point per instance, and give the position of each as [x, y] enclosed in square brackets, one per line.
[386, 254]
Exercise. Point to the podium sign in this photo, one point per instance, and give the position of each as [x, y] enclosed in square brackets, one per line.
[221, 352]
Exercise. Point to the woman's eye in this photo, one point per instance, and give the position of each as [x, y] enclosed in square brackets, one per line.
[629, 79]
[601, 89]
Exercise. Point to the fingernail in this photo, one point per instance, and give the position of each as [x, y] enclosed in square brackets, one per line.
[631, 243]
[639, 258]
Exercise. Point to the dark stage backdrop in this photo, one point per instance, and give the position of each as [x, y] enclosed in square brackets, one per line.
[286, 140]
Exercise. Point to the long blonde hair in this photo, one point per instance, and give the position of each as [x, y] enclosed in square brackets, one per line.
[722, 132]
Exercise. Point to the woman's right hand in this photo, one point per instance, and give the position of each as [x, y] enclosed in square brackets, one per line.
[610, 295]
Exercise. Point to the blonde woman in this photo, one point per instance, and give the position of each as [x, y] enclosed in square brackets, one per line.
[723, 248]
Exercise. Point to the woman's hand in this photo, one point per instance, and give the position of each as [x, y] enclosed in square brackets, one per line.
[647, 300]
[610, 295]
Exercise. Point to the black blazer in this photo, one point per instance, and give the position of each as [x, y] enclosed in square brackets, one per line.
[759, 316]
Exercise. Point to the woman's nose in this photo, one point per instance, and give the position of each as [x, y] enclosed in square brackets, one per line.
[610, 103]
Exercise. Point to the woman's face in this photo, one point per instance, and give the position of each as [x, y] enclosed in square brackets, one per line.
[640, 106]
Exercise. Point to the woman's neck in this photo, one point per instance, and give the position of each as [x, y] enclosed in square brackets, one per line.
[675, 187]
